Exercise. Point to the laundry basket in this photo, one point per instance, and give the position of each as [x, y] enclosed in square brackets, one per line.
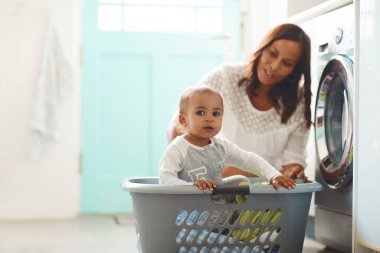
[171, 219]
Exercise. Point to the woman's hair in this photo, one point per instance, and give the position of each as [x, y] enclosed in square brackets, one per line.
[284, 95]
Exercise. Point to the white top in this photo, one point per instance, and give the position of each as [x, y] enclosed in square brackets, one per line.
[183, 163]
[258, 131]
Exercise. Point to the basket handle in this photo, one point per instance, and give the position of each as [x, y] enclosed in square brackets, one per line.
[231, 190]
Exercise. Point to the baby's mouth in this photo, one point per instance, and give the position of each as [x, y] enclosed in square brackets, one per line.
[208, 128]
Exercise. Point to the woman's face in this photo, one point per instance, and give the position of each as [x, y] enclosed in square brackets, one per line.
[278, 61]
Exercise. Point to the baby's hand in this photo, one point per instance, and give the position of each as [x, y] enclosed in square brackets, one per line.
[205, 185]
[281, 180]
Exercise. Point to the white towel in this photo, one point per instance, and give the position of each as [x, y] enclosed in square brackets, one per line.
[55, 82]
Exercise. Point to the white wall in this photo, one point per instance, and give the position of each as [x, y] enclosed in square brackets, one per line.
[297, 6]
[263, 15]
[367, 125]
[48, 187]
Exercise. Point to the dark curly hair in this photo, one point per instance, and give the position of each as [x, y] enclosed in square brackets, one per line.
[286, 94]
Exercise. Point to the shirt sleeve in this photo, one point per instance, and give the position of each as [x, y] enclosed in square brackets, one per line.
[213, 78]
[170, 165]
[248, 161]
[295, 150]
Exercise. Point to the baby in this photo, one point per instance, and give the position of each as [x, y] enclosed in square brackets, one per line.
[198, 157]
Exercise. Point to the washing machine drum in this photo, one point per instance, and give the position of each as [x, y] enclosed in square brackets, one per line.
[334, 122]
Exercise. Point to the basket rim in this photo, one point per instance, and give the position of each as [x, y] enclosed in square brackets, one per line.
[150, 185]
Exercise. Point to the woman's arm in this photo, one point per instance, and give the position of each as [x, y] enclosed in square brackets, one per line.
[294, 154]
[230, 171]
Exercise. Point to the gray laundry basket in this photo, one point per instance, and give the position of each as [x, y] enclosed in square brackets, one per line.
[171, 219]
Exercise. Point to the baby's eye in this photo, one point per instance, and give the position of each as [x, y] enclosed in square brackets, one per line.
[200, 113]
[216, 114]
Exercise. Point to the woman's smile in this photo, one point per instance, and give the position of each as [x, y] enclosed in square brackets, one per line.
[268, 74]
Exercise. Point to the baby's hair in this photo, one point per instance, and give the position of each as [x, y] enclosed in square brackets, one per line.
[195, 90]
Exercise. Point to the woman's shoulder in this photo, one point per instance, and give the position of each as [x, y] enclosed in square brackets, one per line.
[225, 76]
[229, 68]
[233, 67]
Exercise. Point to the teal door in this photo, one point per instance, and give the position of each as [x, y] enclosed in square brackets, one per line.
[138, 58]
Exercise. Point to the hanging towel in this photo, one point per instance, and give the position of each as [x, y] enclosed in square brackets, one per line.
[55, 82]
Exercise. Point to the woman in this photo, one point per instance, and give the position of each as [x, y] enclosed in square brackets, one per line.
[267, 102]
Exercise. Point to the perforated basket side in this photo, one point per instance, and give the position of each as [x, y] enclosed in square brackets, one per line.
[194, 223]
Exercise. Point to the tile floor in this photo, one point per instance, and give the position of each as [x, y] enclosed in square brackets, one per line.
[85, 234]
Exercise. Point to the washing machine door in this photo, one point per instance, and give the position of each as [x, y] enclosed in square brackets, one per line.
[334, 122]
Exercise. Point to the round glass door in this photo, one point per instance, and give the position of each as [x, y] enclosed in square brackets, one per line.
[334, 123]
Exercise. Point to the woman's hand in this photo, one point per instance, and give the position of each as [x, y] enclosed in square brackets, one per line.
[281, 180]
[294, 171]
[205, 185]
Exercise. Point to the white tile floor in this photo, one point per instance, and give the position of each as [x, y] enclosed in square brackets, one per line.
[85, 234]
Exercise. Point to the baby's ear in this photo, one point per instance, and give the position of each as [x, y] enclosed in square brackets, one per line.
[182, 119]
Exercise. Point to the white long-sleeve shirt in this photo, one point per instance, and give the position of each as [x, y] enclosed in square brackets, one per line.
[183, 163]
[258, 131]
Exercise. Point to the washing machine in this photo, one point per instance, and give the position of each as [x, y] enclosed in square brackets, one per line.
[333, 130]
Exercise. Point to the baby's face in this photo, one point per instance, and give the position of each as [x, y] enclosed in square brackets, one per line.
[203, 117]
